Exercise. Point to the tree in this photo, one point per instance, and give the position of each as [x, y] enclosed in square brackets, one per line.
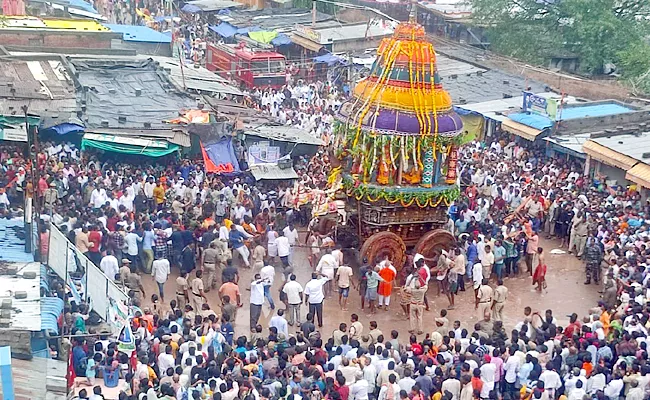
[597, 31]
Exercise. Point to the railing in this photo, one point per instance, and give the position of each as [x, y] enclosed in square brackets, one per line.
[64, 258]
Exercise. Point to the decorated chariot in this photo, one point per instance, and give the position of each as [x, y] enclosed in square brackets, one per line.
[395, 153]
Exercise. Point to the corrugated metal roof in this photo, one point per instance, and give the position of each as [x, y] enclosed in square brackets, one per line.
[634, 146]
[12, 241]
[283, 133]
[640, 174]
[572, 143]
[44, 86]
[214, 5]
[607, 155]
[195, 78]
[51, 309]
[177, 135]
[272, 172]
[280, 19]
[352, 32]
[25, 313]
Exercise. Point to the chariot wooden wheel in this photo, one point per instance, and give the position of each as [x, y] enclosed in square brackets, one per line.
[434, 241]
[383, 244]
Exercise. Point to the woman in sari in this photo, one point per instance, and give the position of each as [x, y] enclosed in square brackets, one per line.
[539, 276]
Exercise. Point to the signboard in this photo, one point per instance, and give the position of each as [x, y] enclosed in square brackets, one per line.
[308, 33]
[540, 105]
[262, 153]
[13, 134]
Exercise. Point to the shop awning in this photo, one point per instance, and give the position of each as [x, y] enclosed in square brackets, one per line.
[272, 172]
[306, 43]
[521, 130]
[608, 156]
[128, 145]
[639, 174]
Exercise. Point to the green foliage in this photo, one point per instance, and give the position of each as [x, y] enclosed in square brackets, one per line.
[597, 31]
[635, 62]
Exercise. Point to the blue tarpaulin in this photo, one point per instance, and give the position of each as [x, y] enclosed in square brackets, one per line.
[536, 121]
[222, 152]
[189, 8]
[329, 59]
[281, 40]
[224, 29]
[65, 128]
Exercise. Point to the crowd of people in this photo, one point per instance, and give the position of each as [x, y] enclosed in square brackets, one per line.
[187, 348]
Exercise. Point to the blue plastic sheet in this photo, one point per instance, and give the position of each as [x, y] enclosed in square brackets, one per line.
[190, 8]
[222, 152]
[65, 128]
[329, 59]
[539, 122]
[224, 29]
[281, 40]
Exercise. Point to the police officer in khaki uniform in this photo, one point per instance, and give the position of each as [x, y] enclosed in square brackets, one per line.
[182, 297]
[210, 259]
[484, 298]
[197, 296]
[500, 297]
[417, 307]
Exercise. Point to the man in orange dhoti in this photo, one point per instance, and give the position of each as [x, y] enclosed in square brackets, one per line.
[388, 274]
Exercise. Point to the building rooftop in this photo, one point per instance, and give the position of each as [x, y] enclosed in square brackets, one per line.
[634, 146]
[282, 133]
[20, 282]
[136, 33]
[280, 19]
[587, 110]
[42, 85]
[351, 32]
[127, 93]
[481, 86]
[452, 9]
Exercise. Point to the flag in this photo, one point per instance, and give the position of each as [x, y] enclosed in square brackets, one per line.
[70, 375]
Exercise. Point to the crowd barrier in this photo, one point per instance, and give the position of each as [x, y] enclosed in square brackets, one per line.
[98, 290]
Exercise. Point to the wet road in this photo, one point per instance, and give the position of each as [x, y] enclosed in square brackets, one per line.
[565, 294]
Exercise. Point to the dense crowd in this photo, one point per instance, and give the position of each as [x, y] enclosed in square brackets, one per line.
[142, 219]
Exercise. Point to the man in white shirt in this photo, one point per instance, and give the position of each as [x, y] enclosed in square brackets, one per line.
[551, 379]
[109, 265]
[166, 359]
[613, 389]
[280, 323]
[314, 296]
[327, 266]
[160, 270]
[291, 233]
[293, 292]
[510, 370]
[268, 273]
[284, 250]
[257, 299]
[98, 197]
